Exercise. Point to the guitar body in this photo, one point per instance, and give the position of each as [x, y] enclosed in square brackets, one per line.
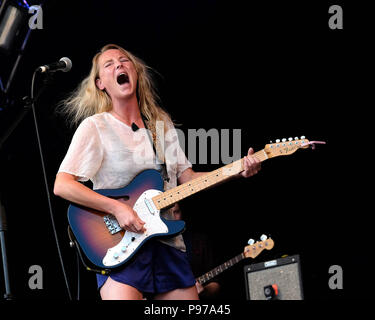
[104, 243]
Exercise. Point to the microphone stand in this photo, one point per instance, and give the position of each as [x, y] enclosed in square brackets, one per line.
[27, 107]
[3, 222]
[3, 229]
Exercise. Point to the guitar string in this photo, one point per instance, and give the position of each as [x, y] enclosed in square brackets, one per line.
[226, 265]
[181, 190]
[261, 155]
[198, 181]
[194, 186]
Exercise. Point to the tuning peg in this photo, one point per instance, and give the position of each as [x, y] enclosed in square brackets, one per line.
[284, 139]
[263, 237]
[296, 138]
[270, 141]
[303, 137]
[251, 241]
[277, 140]
[290, 139]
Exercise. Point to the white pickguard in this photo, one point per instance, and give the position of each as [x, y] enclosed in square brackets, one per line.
[153, 224]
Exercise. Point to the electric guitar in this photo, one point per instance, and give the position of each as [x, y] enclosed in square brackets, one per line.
[250, 251]
[108, 246]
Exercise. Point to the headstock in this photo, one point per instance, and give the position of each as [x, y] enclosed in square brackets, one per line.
[255, 248]
[285, 146]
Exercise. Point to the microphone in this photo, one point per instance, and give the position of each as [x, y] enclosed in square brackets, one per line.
[134, 127]
[64, 64]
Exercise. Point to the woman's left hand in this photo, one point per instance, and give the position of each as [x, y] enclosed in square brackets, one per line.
[251, 165]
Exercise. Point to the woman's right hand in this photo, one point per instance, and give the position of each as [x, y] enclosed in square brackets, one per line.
[67, 187]
[128, 219]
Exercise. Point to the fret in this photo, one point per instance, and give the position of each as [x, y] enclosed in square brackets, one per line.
[182, 191]
[216, 271]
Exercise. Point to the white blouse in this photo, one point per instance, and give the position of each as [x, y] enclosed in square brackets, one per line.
[110, 154]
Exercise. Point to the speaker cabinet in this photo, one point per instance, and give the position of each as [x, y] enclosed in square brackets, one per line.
[278, 279]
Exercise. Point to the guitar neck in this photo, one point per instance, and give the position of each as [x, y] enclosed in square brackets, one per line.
[205, 181]
[216, 271]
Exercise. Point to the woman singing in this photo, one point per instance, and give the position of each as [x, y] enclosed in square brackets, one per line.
[110, 147]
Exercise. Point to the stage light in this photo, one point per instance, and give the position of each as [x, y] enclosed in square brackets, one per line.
[12, 20]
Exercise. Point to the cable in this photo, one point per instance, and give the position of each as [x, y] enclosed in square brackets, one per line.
[46, 185]
[78, 276]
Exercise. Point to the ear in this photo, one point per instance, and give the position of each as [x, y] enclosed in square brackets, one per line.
[99, 84]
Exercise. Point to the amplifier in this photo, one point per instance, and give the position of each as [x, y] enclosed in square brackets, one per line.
[278, 279]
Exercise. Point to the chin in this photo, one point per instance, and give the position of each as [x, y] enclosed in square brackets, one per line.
[125, 95]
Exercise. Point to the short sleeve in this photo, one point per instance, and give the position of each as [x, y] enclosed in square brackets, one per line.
[175, 155]
[182, 163]
[85, 153]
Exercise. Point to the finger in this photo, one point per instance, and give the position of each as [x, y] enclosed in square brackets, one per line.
[130, 229]
[248, 169]
[247, 164]
[137, 218]
[140, 227]
[250, 152]
[254, 165]
[252, 162]
[251, 159]
[132, 226]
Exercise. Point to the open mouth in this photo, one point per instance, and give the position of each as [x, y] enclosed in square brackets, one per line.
[122, 78]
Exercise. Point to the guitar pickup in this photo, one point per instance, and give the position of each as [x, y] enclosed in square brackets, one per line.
[149, 206]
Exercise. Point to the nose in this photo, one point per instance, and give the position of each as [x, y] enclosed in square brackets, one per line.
[118, 64]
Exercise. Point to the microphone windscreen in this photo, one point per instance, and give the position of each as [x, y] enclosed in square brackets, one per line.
[68, 64]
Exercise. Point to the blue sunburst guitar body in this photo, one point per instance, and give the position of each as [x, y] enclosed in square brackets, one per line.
[100, 237]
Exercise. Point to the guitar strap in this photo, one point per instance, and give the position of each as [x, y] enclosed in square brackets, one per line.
[160, 156]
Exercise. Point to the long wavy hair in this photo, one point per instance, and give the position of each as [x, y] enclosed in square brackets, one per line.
[88, 99]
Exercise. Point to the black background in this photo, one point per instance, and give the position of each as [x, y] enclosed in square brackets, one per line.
[271, 69]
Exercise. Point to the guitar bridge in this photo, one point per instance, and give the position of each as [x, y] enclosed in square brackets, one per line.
[112, 224]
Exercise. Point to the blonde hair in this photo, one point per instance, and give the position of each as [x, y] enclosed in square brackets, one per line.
[88, 99]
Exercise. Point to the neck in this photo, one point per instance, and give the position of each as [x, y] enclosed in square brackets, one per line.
[171, 196]
[216, 271]
[127, 110]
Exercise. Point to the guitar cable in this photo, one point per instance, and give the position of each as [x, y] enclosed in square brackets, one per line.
[78, 277]
[46, 185]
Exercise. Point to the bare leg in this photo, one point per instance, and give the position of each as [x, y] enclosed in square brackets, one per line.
[114, 290]
[189, 293]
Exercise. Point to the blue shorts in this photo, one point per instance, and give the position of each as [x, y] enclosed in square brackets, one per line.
[156, 268]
